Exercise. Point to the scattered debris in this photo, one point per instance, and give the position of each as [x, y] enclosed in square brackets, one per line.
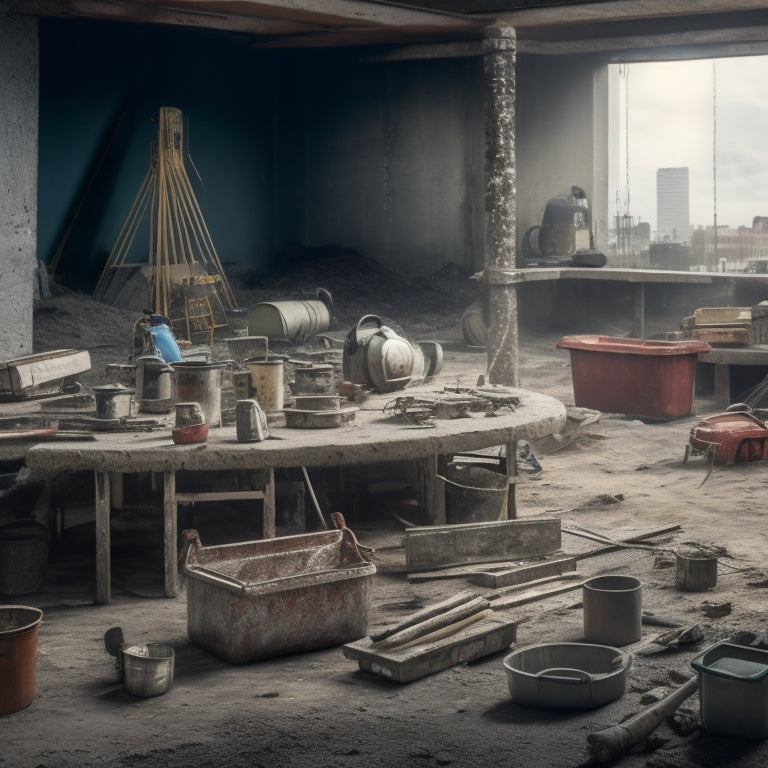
[716, 610]
[673, 639]
[610, 743]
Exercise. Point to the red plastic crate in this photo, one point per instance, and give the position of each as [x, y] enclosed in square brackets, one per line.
[639, 377]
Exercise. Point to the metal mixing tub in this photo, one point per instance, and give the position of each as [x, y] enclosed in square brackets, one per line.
[257, 599]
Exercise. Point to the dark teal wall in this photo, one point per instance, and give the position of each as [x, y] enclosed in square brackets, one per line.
[321, 147]
[95, 75]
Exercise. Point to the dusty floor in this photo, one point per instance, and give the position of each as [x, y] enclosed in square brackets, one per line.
[614, 476]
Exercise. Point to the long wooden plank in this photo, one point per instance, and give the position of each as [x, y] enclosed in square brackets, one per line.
[402, 665]
[516, 600]
[434, 546]
[457, 572]
[425, 613]
[434, 623]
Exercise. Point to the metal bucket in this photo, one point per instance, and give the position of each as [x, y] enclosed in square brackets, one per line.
[695, 571]
[200, 383]
[148, 669]
[267, 382]
[473, 494]
[113, 401]
[23, 557]
[613, 610]
[18, 654]
[154, 386]
[293, 321]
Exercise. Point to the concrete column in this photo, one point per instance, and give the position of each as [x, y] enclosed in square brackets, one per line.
[500, 201]
[19, 68]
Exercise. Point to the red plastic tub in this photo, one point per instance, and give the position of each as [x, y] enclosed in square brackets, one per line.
[647, 379]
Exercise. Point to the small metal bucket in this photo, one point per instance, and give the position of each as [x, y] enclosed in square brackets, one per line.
[148, 669]
[695, 571]
[113, 401]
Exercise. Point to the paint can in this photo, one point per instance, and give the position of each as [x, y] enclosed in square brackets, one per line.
[267, 382]
[695, 569]
[113, 401]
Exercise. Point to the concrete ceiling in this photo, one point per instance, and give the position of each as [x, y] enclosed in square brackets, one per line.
[622, 30]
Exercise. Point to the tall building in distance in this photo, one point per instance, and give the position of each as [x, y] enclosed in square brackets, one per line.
[673, 219]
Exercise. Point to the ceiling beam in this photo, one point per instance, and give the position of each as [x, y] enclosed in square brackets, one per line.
[355, 12]
[621, 10]
[258, 16]
[141, 13]
[736, 35]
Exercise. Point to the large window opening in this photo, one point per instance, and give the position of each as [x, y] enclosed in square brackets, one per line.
[689, 165]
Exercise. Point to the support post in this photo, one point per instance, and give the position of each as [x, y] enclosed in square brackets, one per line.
[170, 533]
[499, 48]
[638, 310]
[268, 531]
[103, 558]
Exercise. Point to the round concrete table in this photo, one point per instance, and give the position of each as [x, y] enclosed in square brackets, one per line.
[374, 436]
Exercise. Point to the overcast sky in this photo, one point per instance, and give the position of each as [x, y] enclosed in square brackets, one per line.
[671, 122]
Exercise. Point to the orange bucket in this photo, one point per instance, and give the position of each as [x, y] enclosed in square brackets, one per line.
[18, 654]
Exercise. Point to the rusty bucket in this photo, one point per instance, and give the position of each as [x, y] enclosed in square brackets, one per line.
[18, 654]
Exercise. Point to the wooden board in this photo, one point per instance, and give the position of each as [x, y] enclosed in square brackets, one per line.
[24, 376]
[506, 577]
[494, 633]
[443, 545]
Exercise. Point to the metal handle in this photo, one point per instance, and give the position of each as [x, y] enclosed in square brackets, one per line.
[564, 675]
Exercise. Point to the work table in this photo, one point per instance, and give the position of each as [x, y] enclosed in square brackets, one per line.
[374, 436]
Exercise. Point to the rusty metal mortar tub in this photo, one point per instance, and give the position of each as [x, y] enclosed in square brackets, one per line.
[258, 599]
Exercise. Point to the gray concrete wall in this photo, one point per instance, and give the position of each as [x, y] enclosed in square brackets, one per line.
[392, 163]
[18, 182]
[562, 136]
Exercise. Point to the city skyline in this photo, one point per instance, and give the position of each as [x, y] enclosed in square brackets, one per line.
[670, 122]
